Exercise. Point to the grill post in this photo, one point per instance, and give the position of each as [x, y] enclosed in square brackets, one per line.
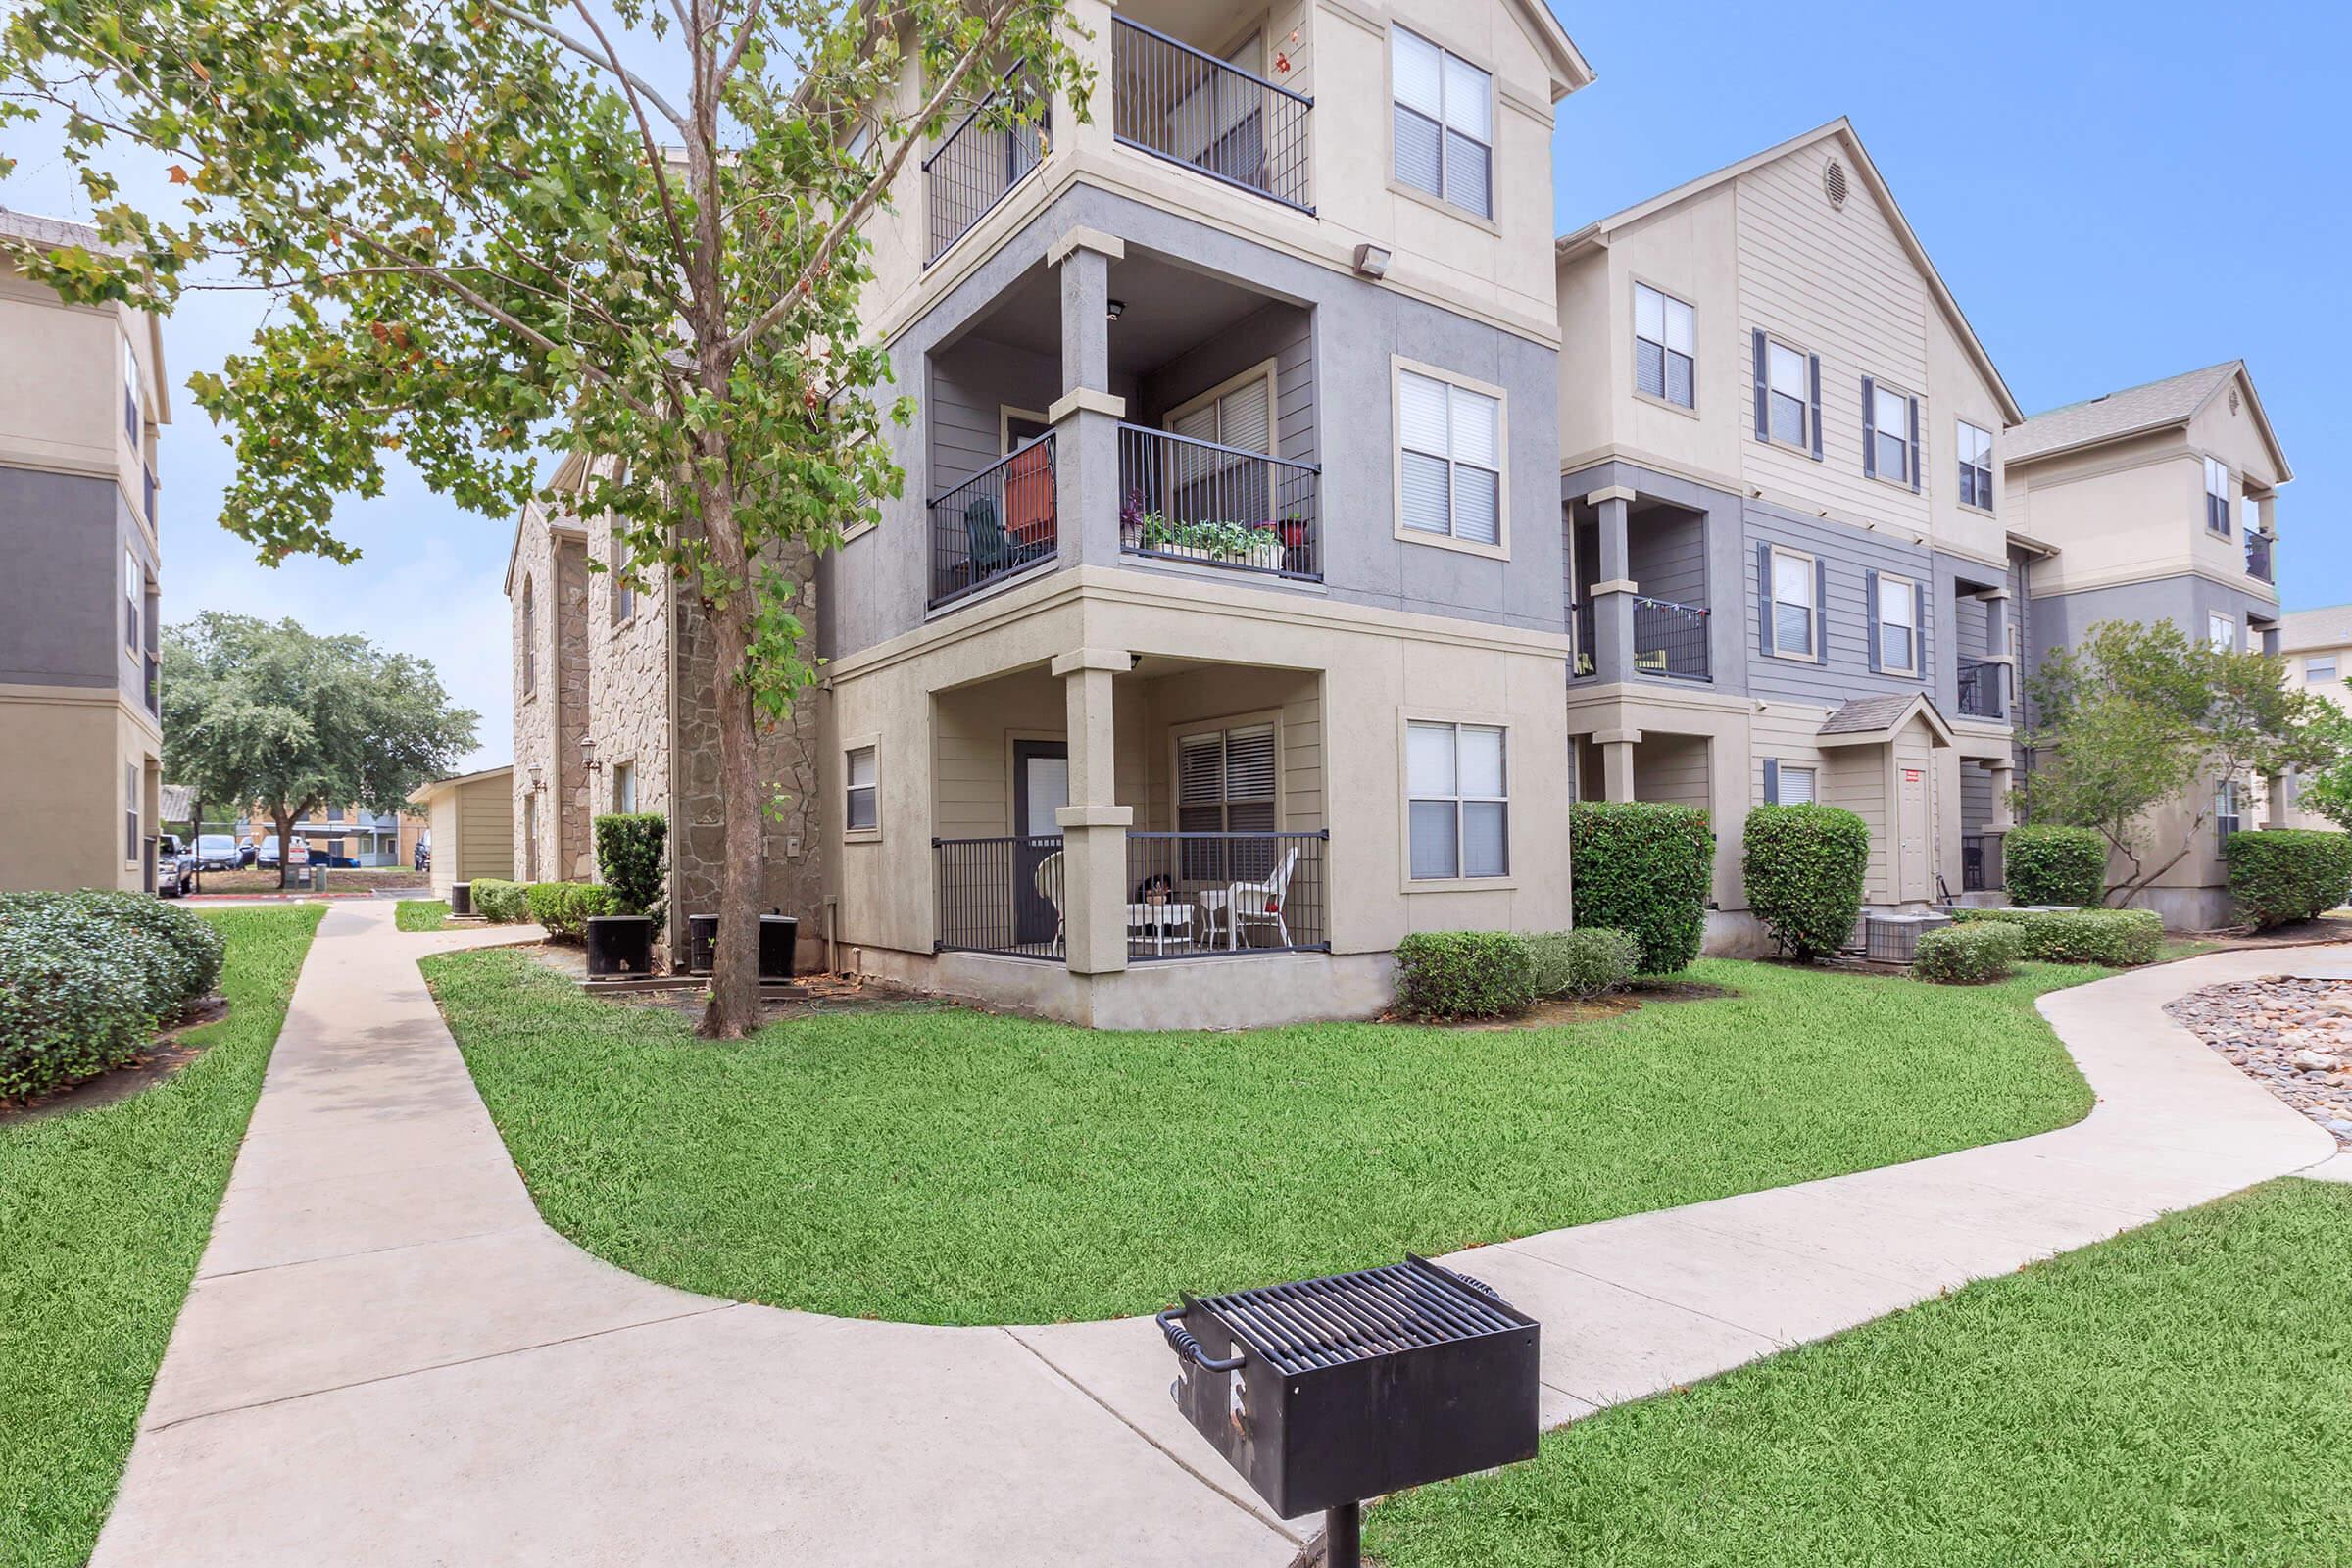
[1343, 1535]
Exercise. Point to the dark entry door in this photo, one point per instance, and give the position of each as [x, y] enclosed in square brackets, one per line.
[1041, 787]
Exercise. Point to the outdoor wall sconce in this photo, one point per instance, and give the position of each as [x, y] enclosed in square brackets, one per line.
[536, 784]
[588, 754]
[1119, 307]
[1372, 260]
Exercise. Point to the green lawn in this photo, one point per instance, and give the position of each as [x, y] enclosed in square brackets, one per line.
[422, 914]
[103, 1216]
[2178, 1396]
[935, 1164]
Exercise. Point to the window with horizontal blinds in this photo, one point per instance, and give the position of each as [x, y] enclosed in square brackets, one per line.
[1458, 800]
[1444, 114]
[1796, 786]
[1890, 432]
[861, 808]
[1226, 486]
[1789, 390]
[1792, 604]
[1665, 337]
[1898, 625]
[1227, 782]
[1452, 458]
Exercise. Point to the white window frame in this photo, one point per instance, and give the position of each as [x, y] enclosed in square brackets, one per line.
[624, 786]
[134, 818]
[2217, 500]
[1449, 60]
[624, 593]
[1975, 477]
[2223, 633]
[1668, 305]
[1456, 725]
[1500, 550]
[1775, 345]
[2320, 666]
[530, 637]
[1882, 394]
[1214, 466]
[853, 748]
[1811, 654]
[1912, 628]
[1198, 863]
[1783, 772]
[136, 409]
[134, 585]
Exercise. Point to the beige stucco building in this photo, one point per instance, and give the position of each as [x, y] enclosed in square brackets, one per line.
[471, 818]
[80, 733]
[2316, 645]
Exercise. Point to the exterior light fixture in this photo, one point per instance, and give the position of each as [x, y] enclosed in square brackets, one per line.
[588, 754]
[536, 786]
[1119, 307]
[1372, 260]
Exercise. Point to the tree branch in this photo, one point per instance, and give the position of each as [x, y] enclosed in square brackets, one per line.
[645, 131]
[602, 61]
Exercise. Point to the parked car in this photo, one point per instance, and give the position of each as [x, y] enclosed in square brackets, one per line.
[247, 850]
[174, 866]
[266, 852]
[217, 852]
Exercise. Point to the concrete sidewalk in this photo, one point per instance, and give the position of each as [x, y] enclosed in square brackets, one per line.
[387, 1358]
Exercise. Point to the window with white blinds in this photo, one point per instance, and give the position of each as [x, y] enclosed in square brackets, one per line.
[1458, 809]
[1665, 339]
[1226, 486]
[861, 808]
[1452, 458]
[1445, 125]
[1226, 782]
[1796, 786]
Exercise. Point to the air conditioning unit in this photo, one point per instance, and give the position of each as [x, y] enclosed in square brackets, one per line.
[1894, 938]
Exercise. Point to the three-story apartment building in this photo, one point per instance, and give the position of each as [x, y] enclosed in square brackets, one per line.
[2316, 645]
[80, 708]
[1787, 571]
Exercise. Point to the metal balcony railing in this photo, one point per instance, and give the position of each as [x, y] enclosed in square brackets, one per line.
[998, 521]
[1187, 106]
[155, 696]
[1580, 628]
[1980, 863]
[1000, 896]
[1198, 895]
[1670, 640]
[1183, 499]
[2259, 565]
[1981, 689]
[981, 160]
[147, 497]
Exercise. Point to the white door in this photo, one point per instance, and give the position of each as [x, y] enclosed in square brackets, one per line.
[1915, 822]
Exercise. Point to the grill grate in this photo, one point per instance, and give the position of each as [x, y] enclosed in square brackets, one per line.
[1355, 1317]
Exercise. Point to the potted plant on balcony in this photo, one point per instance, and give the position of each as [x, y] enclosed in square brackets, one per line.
[1242, 544]
[628, 853]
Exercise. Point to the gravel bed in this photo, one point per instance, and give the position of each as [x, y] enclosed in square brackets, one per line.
[2293, 1037]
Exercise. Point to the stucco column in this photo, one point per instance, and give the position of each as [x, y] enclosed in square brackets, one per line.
[1616, 764]
[1613, 590]
[2003, 781]
[1084, 417]
[1094, 826]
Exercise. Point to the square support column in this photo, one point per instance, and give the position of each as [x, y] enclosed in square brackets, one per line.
[2004, 816]
[1094, 826]
[1613, 591]
[1084, 417]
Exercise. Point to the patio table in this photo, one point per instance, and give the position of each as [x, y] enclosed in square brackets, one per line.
[1156, 920]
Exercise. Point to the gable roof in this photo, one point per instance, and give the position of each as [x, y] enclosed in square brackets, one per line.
[1595, 234]
[566, 477]
[1570, 70]
[2137, 410]
[2331, 628]
[423, 793]
[59, 233]
[1868, 720]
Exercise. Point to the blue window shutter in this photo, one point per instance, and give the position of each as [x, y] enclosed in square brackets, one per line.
[1870, 429]
[1772, 781]
[1870, 596]
[1813, 373]
[1821, 609]
[1915, 446]
[1763, 391]
[1764, 600]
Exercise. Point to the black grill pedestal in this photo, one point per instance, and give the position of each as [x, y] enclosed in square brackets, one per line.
[1326, 1392]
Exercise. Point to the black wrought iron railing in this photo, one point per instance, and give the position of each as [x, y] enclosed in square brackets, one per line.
[1670, 639]
[982, 158]
[1981, 689]
[998, 522]
[1980, 863]
[147, 497]
[1200, 895]
[1581, 629]
[1000, 895]
[2259, 565]
[1183, 499]
[155, 696]
[1183, 104]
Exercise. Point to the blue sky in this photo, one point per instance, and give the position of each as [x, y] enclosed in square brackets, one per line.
[2115, 191]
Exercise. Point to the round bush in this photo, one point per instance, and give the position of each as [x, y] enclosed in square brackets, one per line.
[562, 909]
[2118, 938]
[1643, 867]
[79, 992]
[1583, 963]
[628, 856]
[2047, 864]
[1968, 955]
[1804, 865]
[1464, 974]
[500, 901]
[2282, 875]
[192, 939]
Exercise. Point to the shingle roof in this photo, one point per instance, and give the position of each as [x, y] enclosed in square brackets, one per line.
[175, 802]
[49, 230]
[2153, 407]
[2331, 628]
[1866, 714]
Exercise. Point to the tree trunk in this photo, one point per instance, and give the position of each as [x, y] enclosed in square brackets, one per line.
[283, 822]
[734, 1009]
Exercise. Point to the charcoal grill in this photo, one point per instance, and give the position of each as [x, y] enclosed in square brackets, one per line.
[1326, 1392]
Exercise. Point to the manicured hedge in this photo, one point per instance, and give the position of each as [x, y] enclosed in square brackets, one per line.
[2049, 865]
[85, 978]
[562, 909]
[1464, 974]
[1583, 963]
[628, 856]
[2282, 875]
[1969, 954]
[499, 901]
[2119, 938]
[1804, 865]
[1643, 867]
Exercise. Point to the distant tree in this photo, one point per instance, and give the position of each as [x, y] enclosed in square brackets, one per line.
[2138, 714]
[2326, 790]
[291, 721]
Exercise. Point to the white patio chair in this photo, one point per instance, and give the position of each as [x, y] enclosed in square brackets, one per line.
[1247, 903]
[1047, 879]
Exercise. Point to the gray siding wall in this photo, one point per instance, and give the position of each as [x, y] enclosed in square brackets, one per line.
[66, 536]
[1669, 556]
[2059, 620]
[968, 387]
[1849, 553]
[1975, 797]
[1961, 623]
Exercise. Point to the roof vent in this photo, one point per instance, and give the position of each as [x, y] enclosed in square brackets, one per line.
[1833, 180]
[2234, 400]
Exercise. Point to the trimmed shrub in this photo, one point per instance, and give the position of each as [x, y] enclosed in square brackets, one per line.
[1464, 974]
[2280, 875]
[86, 977]
[2119, 937]
[2055, 865]
[628, 856]
[194, 942]
[1804, 866]
[562, 909]
[1643, 867]
[1969, 954]
[499, 901]
[1583, 963]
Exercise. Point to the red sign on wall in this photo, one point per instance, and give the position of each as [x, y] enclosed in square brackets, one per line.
[1910, 775]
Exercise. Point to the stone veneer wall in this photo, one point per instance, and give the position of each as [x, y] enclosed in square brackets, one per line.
[628, 684]
[574, 858]
[550, 721]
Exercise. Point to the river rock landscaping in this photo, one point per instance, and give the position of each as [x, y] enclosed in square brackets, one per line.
[2295, 1037]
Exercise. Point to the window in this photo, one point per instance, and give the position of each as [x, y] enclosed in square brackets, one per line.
[1452, 459]
[2320, 666]
[1887, 426]
[862, 810]
[530, 640]
[1445, 125]
[130, 392]
[1975, 466]
[1665, 338]
[334, 814]
[1788, 380]
[625, 787]
[624, 592]
[2226, 814]
[1225, 783]
[1208, 485]
[2217, 496]
[1459, 796]
[2222, 632]
[1795, 604]
[133, 584]
[1898, 625]
[1791, 786]
[130, 811]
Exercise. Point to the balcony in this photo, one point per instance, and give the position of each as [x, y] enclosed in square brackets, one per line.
[1186, 499]
[1670, 640]
[996, 524]
[1580, 620]
[1208, 114]
[147, 497]
[1980, 863]
[1663, 633]
[153, 686]
[979, 162]
[1981, 693]
[2259, 550]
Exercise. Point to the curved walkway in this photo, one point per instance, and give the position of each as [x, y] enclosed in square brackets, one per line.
[387, 1358]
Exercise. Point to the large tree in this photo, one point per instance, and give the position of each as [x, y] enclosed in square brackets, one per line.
[2137, 715]
[278, 717]
[487, 217]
